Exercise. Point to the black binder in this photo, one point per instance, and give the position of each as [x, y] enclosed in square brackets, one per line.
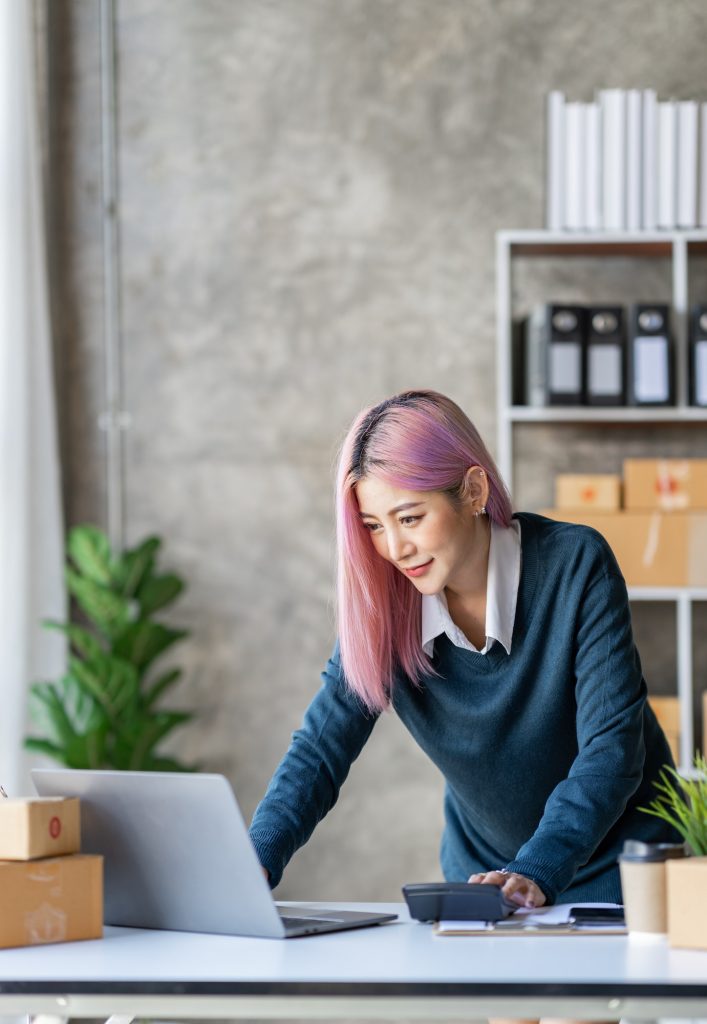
[606, 356]
[651, 379]
[698, 355]
[554, 357]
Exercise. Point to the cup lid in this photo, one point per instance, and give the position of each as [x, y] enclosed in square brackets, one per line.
[636, 850]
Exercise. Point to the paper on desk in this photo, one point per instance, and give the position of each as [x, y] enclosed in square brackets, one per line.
[545, 917]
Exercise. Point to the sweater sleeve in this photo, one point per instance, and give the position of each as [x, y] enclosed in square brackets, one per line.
[306, 784]
[610, 696]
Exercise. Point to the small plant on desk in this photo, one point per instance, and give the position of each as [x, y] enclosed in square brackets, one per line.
[683, 804]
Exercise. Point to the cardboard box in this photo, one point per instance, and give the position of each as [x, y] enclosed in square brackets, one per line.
[667, 711]
[653, 549]
[671, 485]
[55, 900]
[601, 491]
[687, 902]
[41, 827]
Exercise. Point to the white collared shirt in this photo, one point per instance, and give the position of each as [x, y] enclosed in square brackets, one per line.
[501, 597]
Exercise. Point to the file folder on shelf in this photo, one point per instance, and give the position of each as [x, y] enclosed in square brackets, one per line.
[698, 355]
[605, 356]
[650, 356]
[554, 356]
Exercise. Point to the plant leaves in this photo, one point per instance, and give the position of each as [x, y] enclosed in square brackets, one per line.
[143, 641]
[135, 566]
[113, 682]
[45, 698]
[158, 591]
[106, 610]
[160, 686]
[89, 550]
[83, 641]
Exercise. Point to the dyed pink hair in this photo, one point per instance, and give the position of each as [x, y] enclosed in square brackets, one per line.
[420, 441]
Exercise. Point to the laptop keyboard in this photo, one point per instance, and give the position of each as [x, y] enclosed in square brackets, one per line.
[302, 922]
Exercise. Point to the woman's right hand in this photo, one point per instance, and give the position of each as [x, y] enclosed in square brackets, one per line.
[266, 873]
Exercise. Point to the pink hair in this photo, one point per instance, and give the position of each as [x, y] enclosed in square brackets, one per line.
[420, 441]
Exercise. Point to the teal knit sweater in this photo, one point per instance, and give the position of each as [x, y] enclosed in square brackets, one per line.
[547, 752]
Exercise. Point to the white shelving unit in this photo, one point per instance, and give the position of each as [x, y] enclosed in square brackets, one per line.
[675, 246]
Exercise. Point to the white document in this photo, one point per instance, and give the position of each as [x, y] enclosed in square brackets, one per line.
[650, 159]
[634, 131]
[575, 219]
[555, 172]
[686, 176]
[666, 164]
[613, 113]
[545, 917]
[566, 368]
[651, 381]
[604, 370]
[592, 175]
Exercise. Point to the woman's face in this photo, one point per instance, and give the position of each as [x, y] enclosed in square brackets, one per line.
[432, 542]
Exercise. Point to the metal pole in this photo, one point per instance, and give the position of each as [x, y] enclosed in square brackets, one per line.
[113, 420]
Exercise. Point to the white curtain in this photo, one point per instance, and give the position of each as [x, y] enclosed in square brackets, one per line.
[31, 529]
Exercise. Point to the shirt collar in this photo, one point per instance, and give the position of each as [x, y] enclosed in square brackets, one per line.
[502, 583]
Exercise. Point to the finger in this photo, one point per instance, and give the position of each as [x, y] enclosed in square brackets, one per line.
[521, 890]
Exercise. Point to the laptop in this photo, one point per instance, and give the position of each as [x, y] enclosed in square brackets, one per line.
[177, 856]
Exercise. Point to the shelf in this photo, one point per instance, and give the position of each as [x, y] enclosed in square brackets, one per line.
[642, 244]
[667, 593]
[604, 414]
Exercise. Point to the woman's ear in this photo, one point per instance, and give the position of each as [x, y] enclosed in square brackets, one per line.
[476, 488]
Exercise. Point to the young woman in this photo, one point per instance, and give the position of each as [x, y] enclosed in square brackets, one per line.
[503, 642]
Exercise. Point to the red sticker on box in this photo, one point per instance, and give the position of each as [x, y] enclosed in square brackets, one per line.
[55, 827]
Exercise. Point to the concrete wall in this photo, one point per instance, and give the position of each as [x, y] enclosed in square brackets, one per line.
[309, 195]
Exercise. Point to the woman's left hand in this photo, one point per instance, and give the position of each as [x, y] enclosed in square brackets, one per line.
[518, 888]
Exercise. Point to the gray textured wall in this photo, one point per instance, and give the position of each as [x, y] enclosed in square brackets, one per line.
[310, 191]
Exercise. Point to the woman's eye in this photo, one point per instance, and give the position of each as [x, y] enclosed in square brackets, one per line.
[409, 520]
[371, 526]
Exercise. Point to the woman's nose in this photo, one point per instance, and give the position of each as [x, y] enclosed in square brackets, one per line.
[399, 546]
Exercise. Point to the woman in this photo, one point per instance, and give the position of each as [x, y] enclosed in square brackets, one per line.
[503, 642]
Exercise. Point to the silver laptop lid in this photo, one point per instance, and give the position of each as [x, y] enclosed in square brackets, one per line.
[177, 852]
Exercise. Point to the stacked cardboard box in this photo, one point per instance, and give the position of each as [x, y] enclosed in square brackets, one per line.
[659, 537]
[658, 533]
[49, 892]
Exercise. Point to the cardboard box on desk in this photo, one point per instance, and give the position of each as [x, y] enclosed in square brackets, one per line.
[669, 485]
[686, 882]
[653, 549]
[54, 900]
[600, 491]
[41, 827]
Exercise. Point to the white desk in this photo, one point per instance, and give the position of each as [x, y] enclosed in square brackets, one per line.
[394, 970]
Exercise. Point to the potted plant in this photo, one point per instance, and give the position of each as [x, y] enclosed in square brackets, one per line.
[683, 803]
[105, 710]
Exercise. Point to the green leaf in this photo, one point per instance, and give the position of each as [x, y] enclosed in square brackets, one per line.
[160, 686]
[106, 610]
[45, 747]
[135, 566]
[89, 550]
[158, 591]
[143, 641]
[44, 697]
[111, 681]
[83, 641]
[152, 731]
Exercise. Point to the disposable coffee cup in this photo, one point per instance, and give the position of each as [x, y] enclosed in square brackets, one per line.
[642, 867]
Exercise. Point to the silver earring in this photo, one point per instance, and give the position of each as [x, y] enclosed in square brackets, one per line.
[481, 511]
